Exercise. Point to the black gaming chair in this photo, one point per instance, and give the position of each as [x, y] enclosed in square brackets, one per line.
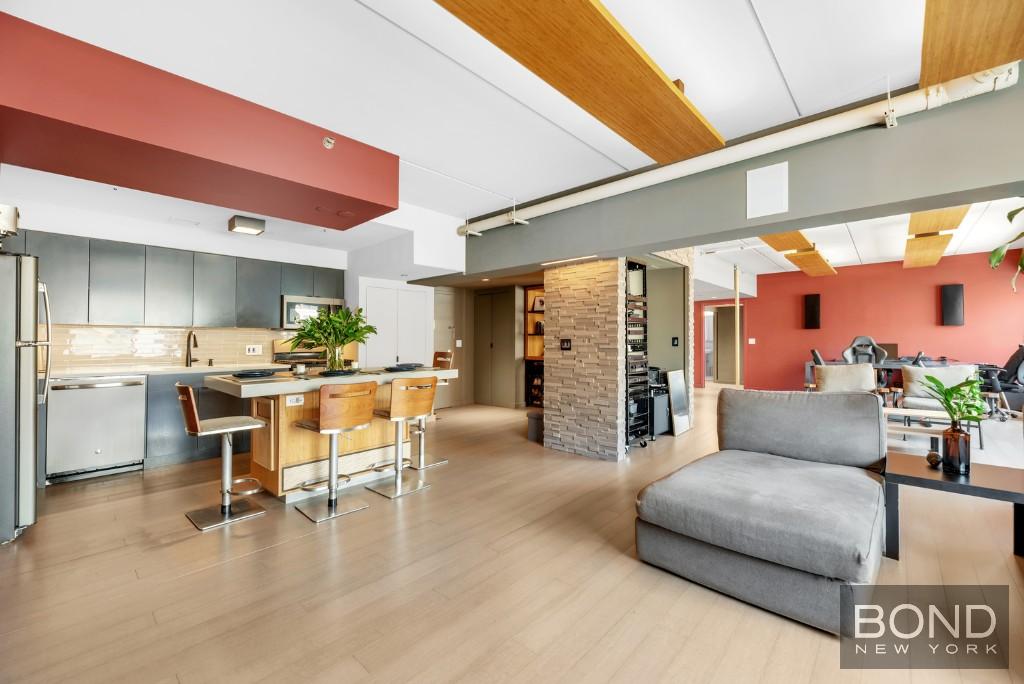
[1007, 380]
[864, 349]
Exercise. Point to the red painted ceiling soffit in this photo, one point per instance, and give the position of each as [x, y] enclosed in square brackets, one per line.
[72, 108]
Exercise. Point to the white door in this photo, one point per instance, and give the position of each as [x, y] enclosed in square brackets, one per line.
[415, 330]
[382, 313]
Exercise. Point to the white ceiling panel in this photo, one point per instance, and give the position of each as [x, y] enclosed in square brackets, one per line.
[341, 65]
[833, 52]
[989, 227]
[835, 243]
[717, 49]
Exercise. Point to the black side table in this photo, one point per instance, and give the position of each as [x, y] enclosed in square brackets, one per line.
[986, 481]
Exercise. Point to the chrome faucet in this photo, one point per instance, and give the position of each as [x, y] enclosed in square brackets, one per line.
[190, 343]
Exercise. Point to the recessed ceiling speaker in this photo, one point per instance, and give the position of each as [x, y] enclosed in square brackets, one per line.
[812, 311]
[952, 304]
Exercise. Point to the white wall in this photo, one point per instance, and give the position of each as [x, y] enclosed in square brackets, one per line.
[713, 279]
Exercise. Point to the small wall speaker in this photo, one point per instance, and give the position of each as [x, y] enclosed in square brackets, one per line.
[812, 311]
[952, 304]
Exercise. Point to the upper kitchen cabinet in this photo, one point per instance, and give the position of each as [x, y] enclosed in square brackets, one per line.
[169, 278]
[213, 297]
[64, 267]
[297, 280]
[117, 283]
[258, 294]
[328, 282]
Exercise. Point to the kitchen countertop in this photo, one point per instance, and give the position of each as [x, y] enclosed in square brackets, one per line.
[104, 371]
[286, 383]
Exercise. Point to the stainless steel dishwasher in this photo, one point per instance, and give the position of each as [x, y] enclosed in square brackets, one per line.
[95, 426]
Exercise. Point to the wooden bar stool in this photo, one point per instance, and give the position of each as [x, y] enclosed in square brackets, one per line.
[442, 361]
[228, 511]
[411, 400]
[344, 409]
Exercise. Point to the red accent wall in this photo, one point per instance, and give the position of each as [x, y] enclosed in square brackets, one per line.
[72, 108]
[885, 301]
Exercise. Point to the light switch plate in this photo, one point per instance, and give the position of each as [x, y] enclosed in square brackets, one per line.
[294, 400]
[253, 349]
[751, 340]
[458, 344]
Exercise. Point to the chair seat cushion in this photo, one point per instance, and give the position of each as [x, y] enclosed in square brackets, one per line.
[817, 517]
[218, 426]
[924, 403]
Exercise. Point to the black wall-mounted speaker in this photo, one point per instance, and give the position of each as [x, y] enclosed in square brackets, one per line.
[952, 304]
[812, 311]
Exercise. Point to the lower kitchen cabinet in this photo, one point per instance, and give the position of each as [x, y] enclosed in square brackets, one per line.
[166, 439]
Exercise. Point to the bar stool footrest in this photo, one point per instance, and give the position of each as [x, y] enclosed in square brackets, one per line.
[245, 492]
[320, 485]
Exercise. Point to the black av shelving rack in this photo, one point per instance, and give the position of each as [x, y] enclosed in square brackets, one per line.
[638, 399]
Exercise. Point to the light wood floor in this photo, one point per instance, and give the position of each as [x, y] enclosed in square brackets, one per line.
[518, 565]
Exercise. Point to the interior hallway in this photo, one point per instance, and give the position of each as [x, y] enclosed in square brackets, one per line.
[517, 565]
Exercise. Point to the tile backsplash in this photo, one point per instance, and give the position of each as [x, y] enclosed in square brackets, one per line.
[77, 346]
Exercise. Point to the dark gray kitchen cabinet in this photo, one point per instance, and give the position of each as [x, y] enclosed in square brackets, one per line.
[328, 282]
[296, 280]
[213, 297]
[258, 293]
[166, 439]
[117, 283]
[64, 267]
[169, 276]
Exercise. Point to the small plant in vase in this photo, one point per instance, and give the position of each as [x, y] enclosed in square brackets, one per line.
[332, 332]
[961, 402]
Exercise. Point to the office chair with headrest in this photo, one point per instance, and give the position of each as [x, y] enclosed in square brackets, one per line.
[817, 358]
[1007, 381]
[864, 349]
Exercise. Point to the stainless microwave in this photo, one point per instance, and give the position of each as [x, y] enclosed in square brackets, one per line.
[296, 309]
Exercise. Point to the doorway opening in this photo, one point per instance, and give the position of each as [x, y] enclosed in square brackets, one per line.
[720, 338]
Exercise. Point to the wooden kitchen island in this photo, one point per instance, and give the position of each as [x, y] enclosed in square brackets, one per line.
[283, 456]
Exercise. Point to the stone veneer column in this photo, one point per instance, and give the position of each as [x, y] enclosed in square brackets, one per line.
[585, 388]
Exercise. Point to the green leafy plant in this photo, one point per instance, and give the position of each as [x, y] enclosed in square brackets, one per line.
[333, 331]
[961, 402]
[997, 255]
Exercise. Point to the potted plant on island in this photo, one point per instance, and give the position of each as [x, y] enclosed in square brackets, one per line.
[961, 402]
[332, 331]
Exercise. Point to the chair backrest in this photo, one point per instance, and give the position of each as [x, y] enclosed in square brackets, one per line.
[343, 407]
[442, 359]
[914, 377]
[189, 411]
[842, 428]
[1013, 369]
[412, 397]
[864, 349]
[817, 358]
[851, 377]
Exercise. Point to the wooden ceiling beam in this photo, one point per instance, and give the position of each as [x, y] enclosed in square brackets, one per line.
[937, 220]
[784, 242]
[811, 262]
[962, 37]
[925, 250]
[578, 48]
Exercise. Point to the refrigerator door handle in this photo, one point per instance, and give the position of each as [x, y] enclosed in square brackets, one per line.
[49, 339]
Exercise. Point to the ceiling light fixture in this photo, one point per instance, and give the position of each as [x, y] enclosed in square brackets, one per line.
[563, 261]
[247, 225]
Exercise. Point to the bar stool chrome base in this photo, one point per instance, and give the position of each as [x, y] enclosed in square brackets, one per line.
[421, 462]
[404, 484]
[320, 509]
[214, 516]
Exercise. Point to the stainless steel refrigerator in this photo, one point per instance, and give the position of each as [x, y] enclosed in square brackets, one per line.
[20, 394]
